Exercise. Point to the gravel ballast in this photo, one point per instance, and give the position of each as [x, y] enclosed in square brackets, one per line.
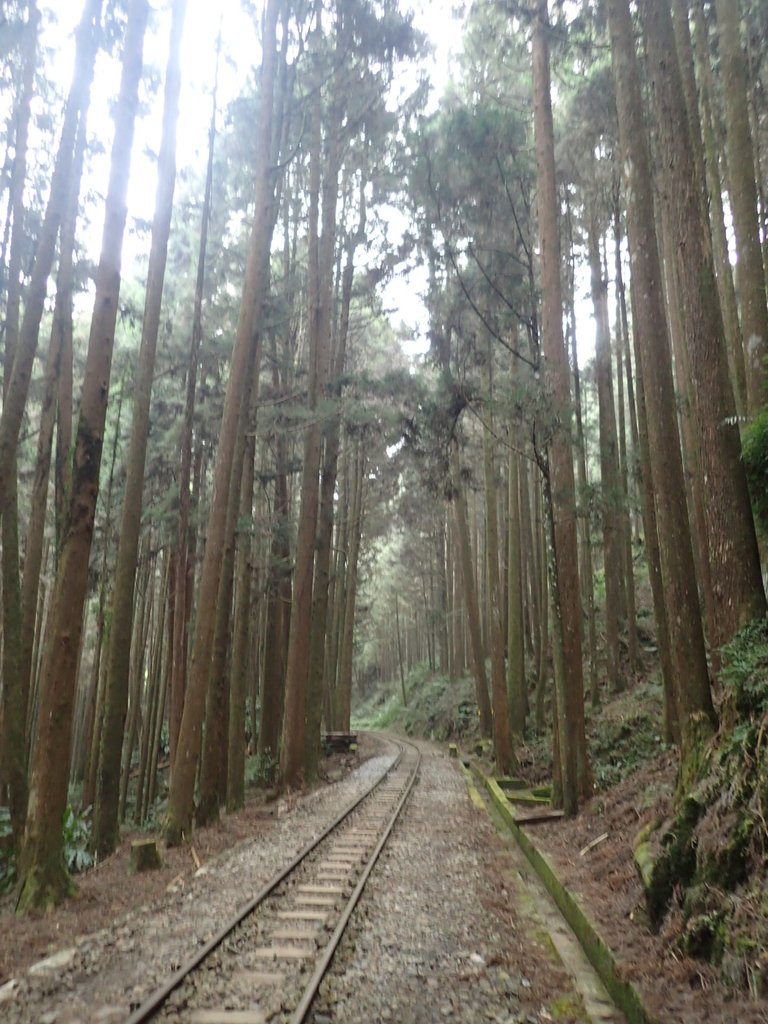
[435, 938]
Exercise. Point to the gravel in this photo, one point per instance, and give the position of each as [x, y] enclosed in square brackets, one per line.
[434, 939]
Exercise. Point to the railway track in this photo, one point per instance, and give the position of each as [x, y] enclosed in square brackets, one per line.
[267, 963]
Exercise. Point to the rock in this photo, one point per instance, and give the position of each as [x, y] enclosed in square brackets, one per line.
[8, 990]
[53, 964]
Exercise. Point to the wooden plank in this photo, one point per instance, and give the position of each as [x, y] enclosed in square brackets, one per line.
[303, 915]
[223, 1016]
[535, 819]
[283, 953]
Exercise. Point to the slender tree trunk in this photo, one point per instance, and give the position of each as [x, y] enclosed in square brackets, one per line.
[344, 685]
[470, 596]
[18, 386]
[106, 830]
[609, 461]
[559, 481]
[502, 742]
[516, 685]
[43, 876]
[15, 690]
[241, 640]
[181, 618]
[725, 284]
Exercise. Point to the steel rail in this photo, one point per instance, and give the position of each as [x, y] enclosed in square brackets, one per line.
[324, 963]
[153, 1002]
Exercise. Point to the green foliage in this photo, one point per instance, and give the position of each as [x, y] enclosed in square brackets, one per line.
[7, 859]
[754, 453]
[624, 735]
[76, 830]
[260, 769]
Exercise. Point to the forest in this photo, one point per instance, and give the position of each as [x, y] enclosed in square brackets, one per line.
[452, 367]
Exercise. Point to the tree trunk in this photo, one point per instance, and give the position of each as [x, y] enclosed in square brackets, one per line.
[18, 387]
[609, 461]
[724, 272]
[576, 781]
[502, 743]
[739, 595]
[43, 876]
[106, 831]
[470, 596]
[742, 192]
[181, 796]
[686, 637]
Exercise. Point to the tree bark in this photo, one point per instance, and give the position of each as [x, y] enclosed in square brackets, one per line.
[742, 191]
[739, 595]
[178, 820]
[686, 636]
[43, 876]
[18, 387]
[106, 829]
[576, 780]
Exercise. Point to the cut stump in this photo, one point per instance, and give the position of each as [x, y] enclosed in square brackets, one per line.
[145, 856]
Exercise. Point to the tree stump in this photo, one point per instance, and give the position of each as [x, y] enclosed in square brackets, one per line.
[453, 750]
[145, 856]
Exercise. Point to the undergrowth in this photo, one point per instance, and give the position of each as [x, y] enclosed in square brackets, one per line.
[718, 894]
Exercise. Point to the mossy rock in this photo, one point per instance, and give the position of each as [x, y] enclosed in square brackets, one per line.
[705, 937]
[669, 859]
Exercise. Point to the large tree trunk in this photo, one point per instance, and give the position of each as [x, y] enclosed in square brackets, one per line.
[43, 876]
[739, 595]
[742, 192]
[178, 820]
[686, 636]
[576, 781]
[319, 288]
[106, 830]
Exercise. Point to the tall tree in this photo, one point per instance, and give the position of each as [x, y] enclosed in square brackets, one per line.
[18, 386]
[105, 820]
[739, 595]
[178, 820]
[43, 876]
[742, 191]
[686, 635]
[558, 467]
[15, 686]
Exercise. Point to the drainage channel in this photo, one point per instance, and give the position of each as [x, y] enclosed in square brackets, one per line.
[533, 902]
[265, 966]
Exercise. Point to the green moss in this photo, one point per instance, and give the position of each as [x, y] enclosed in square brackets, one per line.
[568, 1008]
